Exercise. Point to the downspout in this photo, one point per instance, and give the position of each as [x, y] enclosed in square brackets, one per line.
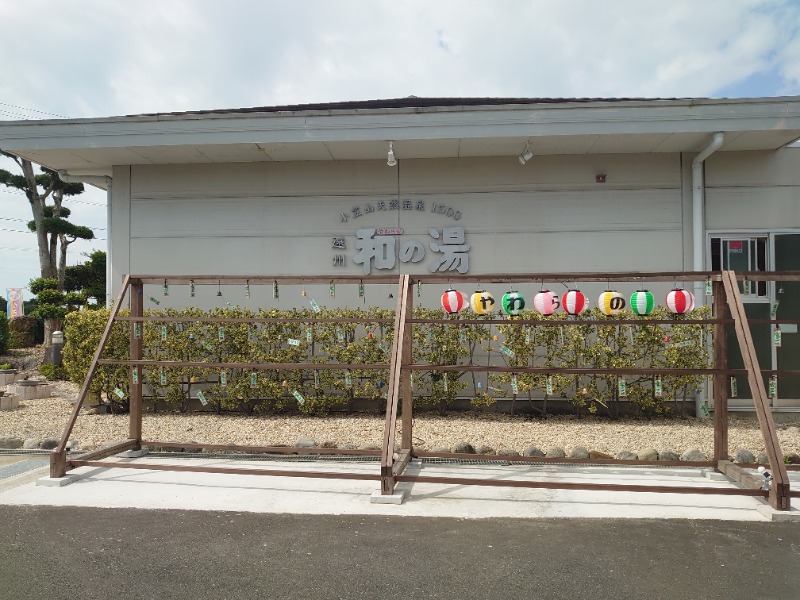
[698, 237]
[98, 181]
[698, 208]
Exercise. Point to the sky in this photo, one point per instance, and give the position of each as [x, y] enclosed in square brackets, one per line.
[98, 58]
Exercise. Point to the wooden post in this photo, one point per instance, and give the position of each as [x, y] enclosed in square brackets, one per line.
[405, 374]
[779, 493]
[137, 337]
[721, 449]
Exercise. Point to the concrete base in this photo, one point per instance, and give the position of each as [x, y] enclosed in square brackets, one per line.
[714, 475]
[7, 379]
[779, 516]
[57, 481]
[9, 402]
[396, 498]
[31, 392]
[133, 453]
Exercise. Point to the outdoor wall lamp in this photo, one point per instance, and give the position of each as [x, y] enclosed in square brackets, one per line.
[526, 155]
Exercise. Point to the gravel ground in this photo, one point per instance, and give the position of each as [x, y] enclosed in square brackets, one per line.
[46, 418]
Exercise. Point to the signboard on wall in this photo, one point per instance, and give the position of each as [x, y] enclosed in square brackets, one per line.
[382, 248]
[14, 308]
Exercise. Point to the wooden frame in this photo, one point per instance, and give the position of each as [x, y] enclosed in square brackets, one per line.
[393, 460]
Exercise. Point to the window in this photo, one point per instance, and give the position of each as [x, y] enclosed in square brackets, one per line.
[740, 254]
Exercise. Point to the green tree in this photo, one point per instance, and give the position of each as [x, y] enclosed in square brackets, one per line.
[89, 279]
[54, 233]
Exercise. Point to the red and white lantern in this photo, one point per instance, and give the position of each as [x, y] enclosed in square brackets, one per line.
[545, 302]
[574, 302]
[680, 301]
[453, 301]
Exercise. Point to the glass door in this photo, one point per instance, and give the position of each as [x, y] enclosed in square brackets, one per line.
[787, 296]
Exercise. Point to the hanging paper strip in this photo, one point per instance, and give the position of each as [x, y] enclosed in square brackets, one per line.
[223, 377]
[657, 387]
[191, 288]
[339, 334]
[135, 375]
[316, 379]
[163, 377]
[348, 379]
[506, 350]
[548, 386]
[360, 290]
[734, 388]
[119, 393]
[247, 291]
[314, 306]
[622, 388]
[163, 333]
[773, 387]
[299, 397]
[709, 287]
[776, 337]
[293, 342]
[332, 291]
[137, 330]
[202, 397]
[514, 386]
[462, 335]
[445, 382]
[309, 335]
[166, 288]
[154, 301]
[253, 379]
[221, 334]
[275, 290]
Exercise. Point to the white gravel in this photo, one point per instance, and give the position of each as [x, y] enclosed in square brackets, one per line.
[46, 418]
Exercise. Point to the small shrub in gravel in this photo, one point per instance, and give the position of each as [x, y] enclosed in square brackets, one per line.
[668, 455]
[30, 444]
[762, 458]
[596, 454]
[304, 442]
[48, 444]
[507, 452]
[485, 450]
[743, 455]
[328, 444]
[792, 458]
[578, 452]
[532, 451]
[555, 452]
[693, 454]
[11, 442]
[464, 448]
[626, 455]
[648, 454]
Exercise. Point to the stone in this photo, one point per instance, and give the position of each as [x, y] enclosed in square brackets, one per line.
[304, 442]
[507, 452]
[743, 456]
[464, 448]
[693, 454]
[48, 444]
[597, 454]
[532, 451]
[668, 455]
[555, 452]
[626, 455]
[578, 452]
[762, 458]
[648, 454]
[30, 444]
[485, 449]
[10, 442]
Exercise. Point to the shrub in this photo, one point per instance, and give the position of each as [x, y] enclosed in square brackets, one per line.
[23, 332]
[51, 371]
[3, 332]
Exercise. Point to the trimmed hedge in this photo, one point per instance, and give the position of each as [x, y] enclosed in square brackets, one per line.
[3, 332]
[674, 345]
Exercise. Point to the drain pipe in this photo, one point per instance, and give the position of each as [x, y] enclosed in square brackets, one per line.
[698, 208]
[98, 181]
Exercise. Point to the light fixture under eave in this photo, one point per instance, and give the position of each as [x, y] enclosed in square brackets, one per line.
[390, 157]
[526, 155]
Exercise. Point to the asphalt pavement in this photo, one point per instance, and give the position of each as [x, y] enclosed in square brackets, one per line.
[86, 553]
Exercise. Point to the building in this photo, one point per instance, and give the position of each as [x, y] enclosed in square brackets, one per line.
[468, 185]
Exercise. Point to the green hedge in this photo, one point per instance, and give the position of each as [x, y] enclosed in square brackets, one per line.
[599, 346]
[3, 332]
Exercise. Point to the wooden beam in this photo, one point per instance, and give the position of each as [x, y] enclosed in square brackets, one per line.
[740, 475]
[249, 449]
[721, 449]
[779, 489]
[135, 374]
[105, 452]
[58, 466]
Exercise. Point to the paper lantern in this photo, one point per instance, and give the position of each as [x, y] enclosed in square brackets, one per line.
[453, 301]
[642, 302]
[513, 303]
[545, 302]
[680, 301]
[574, 302]
[482, 302]
[611, 302]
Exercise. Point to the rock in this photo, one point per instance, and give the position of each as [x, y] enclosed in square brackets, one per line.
[555, 452]
[304, 442]
[464, 448]
[578, 452]
[48, 444]
[10, 442]
[626, 455]
[762, 459]
[693, 454]
[743, 456]
[30, 444]
[485, 449]
[648, 454]
[507, 452]
[668, 455]
[595, 454]
[532, 451]
[73, 445]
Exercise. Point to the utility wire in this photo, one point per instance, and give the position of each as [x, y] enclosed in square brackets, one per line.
[41, 112]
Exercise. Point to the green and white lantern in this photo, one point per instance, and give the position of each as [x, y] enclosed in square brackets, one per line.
[642, 302]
